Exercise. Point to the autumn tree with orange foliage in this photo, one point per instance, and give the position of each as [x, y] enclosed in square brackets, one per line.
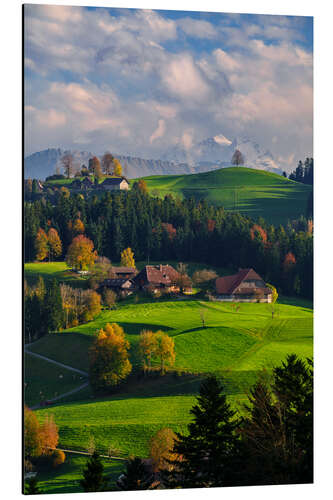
[81, 253]
[108, 356]
[257, 230]
[39, 439]
[33, 445]
[54, 243]
[41, 245]
[160, 449]
[142, 185]
[289, 262]
[49, 434]
[172, 231]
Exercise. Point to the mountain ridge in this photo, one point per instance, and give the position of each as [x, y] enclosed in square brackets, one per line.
[210, 154]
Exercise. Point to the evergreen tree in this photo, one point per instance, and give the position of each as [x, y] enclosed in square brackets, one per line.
[53, 312]
[93, 478]
[31, 487]
[208, 454]
[136, 476]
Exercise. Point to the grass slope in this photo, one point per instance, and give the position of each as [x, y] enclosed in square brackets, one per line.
[249, 191]
[50, 270]
[66, 477]
[46, 381]
[234, 345]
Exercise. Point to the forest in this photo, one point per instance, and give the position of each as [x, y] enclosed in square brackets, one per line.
[183, 230]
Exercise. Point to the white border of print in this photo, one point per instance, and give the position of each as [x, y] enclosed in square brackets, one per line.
[10, 425]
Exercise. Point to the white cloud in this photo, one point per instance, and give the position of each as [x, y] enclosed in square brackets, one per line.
[183, 79]
[197, 28]
[127, 87]
[159, 132]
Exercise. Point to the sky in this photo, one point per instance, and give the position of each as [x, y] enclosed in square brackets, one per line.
[140, 82]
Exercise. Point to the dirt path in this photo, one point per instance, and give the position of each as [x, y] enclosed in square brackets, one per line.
[81, 372]
[73, 391]
[88, 454]
[67, 367]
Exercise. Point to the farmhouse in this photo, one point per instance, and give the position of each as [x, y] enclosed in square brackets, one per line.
[245, 286]
[160, 277]
[121, 286]
[115, 184]
[123, 272]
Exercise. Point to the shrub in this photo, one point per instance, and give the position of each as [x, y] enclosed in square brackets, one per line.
[58, 457]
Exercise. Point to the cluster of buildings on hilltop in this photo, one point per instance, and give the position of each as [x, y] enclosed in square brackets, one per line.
[109, 184]
[244, 286]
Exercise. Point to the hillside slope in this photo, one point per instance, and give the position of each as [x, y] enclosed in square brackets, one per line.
[252, 192]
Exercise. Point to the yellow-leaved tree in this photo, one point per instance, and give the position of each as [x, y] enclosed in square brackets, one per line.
[54, 241]
[148, 346]
[165, 350]
[41, 244]
[127, 258]
[108, 356]
[81, 253]
[117, 168]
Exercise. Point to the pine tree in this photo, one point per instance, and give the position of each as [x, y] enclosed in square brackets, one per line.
[93, 478]
[31, 487]
[210, 450]
[53, 311]
[136, 476]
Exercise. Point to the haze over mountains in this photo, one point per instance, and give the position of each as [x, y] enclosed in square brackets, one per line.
[209, 154]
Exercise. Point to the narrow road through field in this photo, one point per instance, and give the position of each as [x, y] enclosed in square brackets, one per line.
[67, 367]
[81, 372]
[87, 453]
[73, 391]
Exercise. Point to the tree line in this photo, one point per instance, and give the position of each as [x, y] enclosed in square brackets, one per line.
[51, 307]
[303, 172]
[182, 230]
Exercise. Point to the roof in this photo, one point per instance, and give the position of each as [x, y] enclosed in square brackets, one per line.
[123, 270]
[117, 282]
[163, 274]
[228, 284]
[114, 181]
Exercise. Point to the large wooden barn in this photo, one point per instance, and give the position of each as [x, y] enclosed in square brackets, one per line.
[245, 286]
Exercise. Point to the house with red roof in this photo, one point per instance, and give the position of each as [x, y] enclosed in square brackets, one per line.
[160, 277]
[245, 286]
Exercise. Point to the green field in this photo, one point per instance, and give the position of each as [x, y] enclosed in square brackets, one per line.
[234, 345]
[66, 477]
[252, 192]
[44, 380]
[50, 270]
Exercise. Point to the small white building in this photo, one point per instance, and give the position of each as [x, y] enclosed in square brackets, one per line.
[115, 184]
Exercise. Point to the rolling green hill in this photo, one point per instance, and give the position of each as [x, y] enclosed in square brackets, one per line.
[252, 192]
[234, 345]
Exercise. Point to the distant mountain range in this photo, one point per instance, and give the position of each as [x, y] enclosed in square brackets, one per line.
[210, 154]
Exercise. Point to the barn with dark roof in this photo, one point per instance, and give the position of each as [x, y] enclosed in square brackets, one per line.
[115, 183]
[245, 286]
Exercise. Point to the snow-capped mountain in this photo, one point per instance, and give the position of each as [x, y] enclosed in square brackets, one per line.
[218, 151]
[209, 154]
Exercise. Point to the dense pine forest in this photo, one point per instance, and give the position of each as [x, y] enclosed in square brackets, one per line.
[184, 230]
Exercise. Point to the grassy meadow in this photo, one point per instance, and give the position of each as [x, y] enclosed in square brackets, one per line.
[251, 192]
[234, 345]
[50, 270]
